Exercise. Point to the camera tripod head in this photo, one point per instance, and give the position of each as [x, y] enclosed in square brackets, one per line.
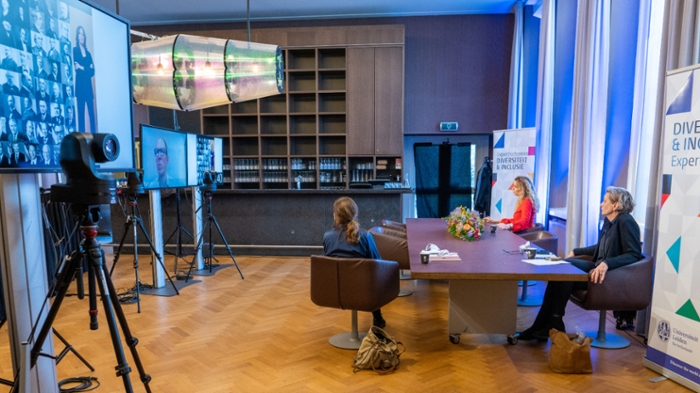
[134, 184]
[85, 186]
[89, 215]
[209, 181]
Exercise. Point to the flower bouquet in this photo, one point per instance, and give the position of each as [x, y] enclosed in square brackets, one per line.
[465, 224]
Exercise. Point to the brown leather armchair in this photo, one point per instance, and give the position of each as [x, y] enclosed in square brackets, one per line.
[393, 248]
[536, 228]
[625, 288]
[542, 239]
[395, 225]
[353, 284]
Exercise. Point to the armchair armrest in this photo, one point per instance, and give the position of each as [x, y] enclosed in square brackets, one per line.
[626, 288]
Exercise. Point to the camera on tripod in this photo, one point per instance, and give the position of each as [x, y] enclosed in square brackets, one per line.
[84, 185]
[210, 180]
[133, 184]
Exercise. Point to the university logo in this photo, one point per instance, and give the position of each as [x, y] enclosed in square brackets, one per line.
[663, 329]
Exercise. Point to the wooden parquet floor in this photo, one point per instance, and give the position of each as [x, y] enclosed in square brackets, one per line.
[263, 334]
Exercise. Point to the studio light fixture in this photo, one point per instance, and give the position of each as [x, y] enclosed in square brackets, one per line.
[189, 72]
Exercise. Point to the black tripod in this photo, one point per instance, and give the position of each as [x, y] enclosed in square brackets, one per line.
[179, 230]
[132, 221]
[91, 251]
[208, 227]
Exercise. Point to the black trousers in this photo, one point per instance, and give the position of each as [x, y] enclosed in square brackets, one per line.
[557, 294]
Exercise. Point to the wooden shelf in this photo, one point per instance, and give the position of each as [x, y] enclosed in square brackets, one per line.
[304, 128]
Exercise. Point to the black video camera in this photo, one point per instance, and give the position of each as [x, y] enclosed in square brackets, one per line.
[84, 185]
[210, 180]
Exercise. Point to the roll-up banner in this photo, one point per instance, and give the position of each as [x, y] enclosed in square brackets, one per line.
[513, 156]
[674, 331]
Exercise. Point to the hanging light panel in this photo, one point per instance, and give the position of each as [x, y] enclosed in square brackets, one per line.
[199, 72]
[152, 73]
[253, 70]
[189, 72]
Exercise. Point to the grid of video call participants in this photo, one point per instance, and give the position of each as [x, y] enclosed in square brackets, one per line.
[36, 72]
[205, 157]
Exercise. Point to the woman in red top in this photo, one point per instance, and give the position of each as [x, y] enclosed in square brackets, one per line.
[525, 208]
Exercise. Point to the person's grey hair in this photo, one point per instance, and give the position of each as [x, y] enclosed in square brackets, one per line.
[622, 197]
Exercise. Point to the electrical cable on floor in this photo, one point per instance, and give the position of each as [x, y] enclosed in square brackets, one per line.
[85, 384]
[128, 296]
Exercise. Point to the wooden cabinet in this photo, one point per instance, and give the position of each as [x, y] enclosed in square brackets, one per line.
[388, 101]
[303, 138]
[375, 101]
[361, 100]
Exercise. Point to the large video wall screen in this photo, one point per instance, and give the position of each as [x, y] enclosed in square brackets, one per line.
[64, 67]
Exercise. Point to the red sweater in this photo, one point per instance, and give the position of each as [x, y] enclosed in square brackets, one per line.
[523, 218]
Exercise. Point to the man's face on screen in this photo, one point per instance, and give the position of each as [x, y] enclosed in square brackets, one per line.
[161, 157]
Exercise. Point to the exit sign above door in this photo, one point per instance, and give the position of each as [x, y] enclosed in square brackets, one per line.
[449, 126]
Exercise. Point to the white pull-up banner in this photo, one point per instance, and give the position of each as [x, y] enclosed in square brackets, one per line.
[513, 156]
[674, 331]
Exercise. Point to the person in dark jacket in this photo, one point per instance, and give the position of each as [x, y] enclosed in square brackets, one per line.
[482, 201]
[347, 240]
[618, 245]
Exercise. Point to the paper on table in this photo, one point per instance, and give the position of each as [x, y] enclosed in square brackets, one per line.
[543, 262]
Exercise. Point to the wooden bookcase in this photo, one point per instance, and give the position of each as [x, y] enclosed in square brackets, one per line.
[303, 137]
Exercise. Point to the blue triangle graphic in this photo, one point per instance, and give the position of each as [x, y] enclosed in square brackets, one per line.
[499, 204]
[501, 142]
[684, 100]
[674, 254]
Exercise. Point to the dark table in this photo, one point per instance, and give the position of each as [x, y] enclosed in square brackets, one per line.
[483, 288]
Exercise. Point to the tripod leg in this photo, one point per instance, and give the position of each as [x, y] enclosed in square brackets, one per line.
[194, 260]
[127, 225]
[221, 233]
[136, 267]
[131, 341]
[158, 257]
[95, 257]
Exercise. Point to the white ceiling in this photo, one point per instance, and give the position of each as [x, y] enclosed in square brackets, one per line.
[157, 12]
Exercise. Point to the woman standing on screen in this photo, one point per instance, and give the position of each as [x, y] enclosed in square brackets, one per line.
[84, 72]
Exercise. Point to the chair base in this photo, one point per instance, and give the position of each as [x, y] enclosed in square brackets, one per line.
[405, 292]
[523, 283]
[347, 340]
[528, 301]
[609, 341]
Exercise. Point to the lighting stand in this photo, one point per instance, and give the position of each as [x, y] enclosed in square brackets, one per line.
[211, 220]
[132, 222]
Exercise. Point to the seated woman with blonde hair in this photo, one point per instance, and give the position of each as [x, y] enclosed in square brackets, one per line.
[525, 209]
[347, 240]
